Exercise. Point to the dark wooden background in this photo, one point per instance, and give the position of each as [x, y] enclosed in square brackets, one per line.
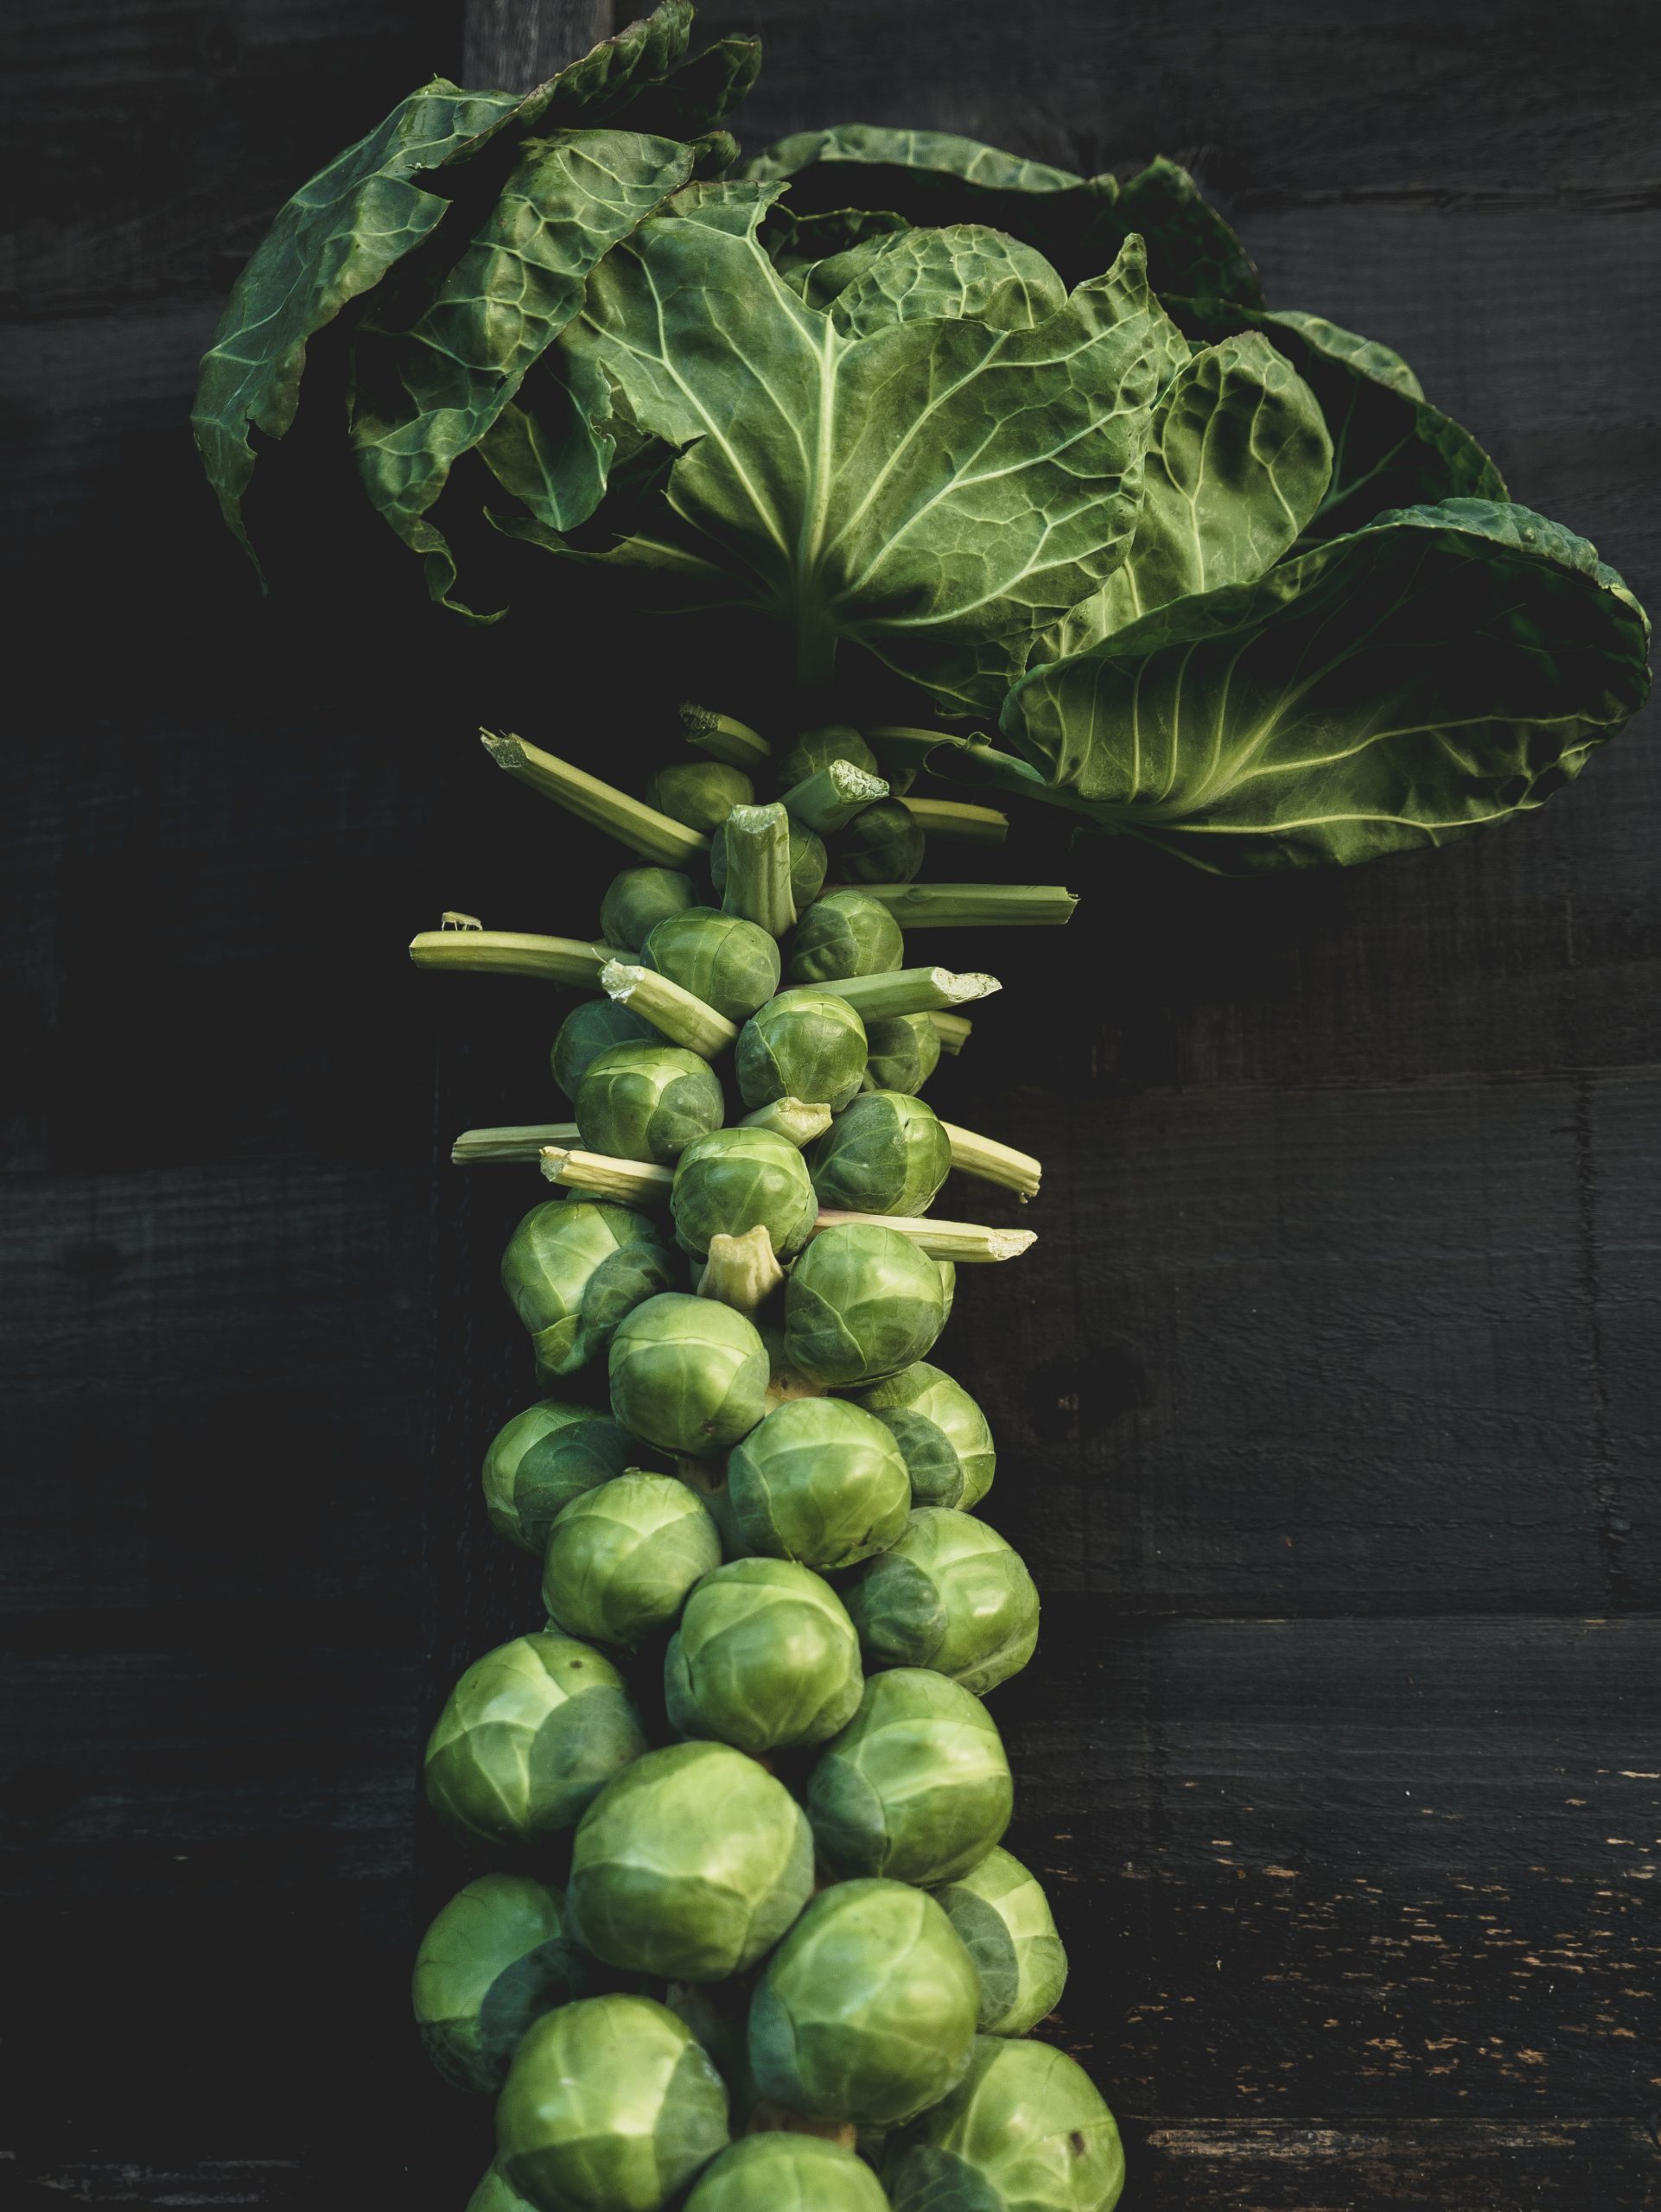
[1328, 1403]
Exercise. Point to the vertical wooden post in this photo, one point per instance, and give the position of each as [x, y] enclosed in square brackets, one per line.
[513, 44]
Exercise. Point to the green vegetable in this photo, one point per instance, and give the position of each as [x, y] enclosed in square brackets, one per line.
[688, 1374]
[941, 1431]
[495, 2193]
[905, 1050]
[636, 901]
[692, 1865]
[787, 2173]
[1004, 1917]
[731, 964]
[818, 1481]
[498, 1957]
[916, 1787]
[887, 1154]
[861, 1303]
[845, 933]
[765, 1658]
[612, 2105]
[574, 1270]
[700, 793]
[883, 844]
[647, 1101]
[528, 1738]
[808, 863]
[621, 1558]
[950, 1594]
[736, 1179]
[804, 1044]
[866, 2011]
[1024, 2131]
[590, 1028]
[816, 748]
[543, 1458]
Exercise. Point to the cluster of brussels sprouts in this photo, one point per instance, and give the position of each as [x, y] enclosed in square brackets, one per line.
[755, 1945]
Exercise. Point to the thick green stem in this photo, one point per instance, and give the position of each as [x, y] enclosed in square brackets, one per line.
[964, 1243]
[757, 840]
[520, 1140]
[975, 906]
[641, 828]
[724, 738]
[910, 990]
[793, 1119]
[952, 818]
[741, 1271]
[954, 1030]
[509, 952]
[992, 1162]
[682, 1018]
[626, 1182]
[899, 745]
[830, 799]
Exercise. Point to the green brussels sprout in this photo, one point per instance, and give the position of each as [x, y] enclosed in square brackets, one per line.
[819, 1481]
[904, 1052]
[816, 748]
[916, 1787]
[845, 933]
[886, 1154]
[1002, 1914]
[1024, 2131]
[948, 1286]
[574, 1268]
[941, 1431]
[731, 964]
[689, 1375]
[542, 1459]
[808, 863]
[693, 1867]
[804, 1044]
[528, 1738]
[588, 1030]
[497, 1957]
[611, 2106]
[950, 1594]
[779, 2172]
[866, 2011]
[765, 1658]
[861, 1303]
[737, 1179]
[647, 1101]
[700, 793]
[637, 900]
[621, 1559]
[883, 843]
[495, 2193]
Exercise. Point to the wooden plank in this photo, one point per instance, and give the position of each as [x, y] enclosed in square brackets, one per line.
[519, 43]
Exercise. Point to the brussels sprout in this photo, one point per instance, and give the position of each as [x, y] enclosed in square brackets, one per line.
[948, 1288]
[498, 1957]
[542, 1459]
[845, 933]
[882, 844]
[941, 1431]
[688, 1374]
[861, 1303]
[621, 1558]
[647, 1101]
[612, 2105]
[950, 1594]
[737, 1179]
[804, 1044]
[495, 2193]
[816, 748]
[693, 1867]
[819, 1481]
[731, 964]
[528, 1738]
[916, 1787]
[905, 1050]
[640, 897]
[587, 1031]
[866, 2010]
[1002, 1914]
[887, 1154]
[808, 863]
[787, 2173]
[765, 1657]
[573, 1270]
[700, 793]
[1024, 2131]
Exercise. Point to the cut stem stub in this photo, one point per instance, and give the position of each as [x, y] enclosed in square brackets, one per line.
[682, 1016]
[992, 1162]
[630, 820]
[741, 1271]
[830, 799]
[964, 1243]
[793, 1119]
[626, 1182]
[520, 1140]
[978, 906]
[910, 990]
[757, 887]
[723, 737]
[510, 953]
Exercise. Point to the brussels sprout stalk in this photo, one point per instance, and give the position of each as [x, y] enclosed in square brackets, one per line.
[758, 868]
[520, 1141]
[830, 798]
[682, 1016]
[959, 1241]
[975, 906]
[724, 737]
[909, 990]
[791, 1118]
[634, 823]
[953, 1030]
[627, 1182]
[992, 1162]
[952, 817]
[741, 1271]
[510, 953]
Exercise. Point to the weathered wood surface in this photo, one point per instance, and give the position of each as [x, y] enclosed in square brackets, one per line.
[1328, 1402]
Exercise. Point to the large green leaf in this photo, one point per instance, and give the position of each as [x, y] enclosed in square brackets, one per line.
[1445, 667]
[935, 489]
[943, 274]
[1078, 223]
